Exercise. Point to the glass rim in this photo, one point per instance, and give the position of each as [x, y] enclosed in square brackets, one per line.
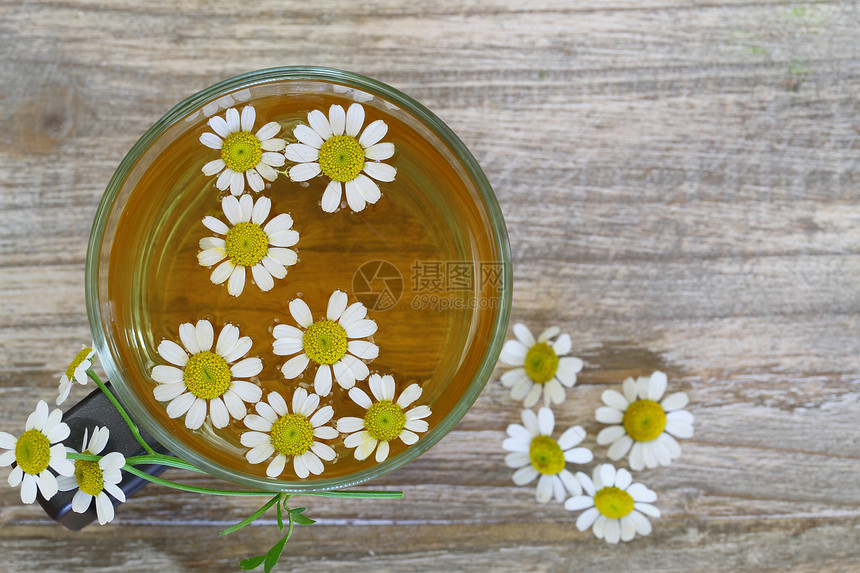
[352, 80]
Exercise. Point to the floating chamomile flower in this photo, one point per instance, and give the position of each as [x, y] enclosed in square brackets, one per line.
[243, 153]
[95, 480]
[643, 423]
[613, 505]
[76, 372]
[540, 366]
[278, 432]
[535, 453]
[332, 146]
[385, 420]
[247, 243]
[329, 342]
[207, 380]
[33, 453]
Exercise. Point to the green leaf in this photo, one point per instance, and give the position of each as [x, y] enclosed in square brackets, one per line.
[252, 562]
[297, 510]
[303, 520]
[274, 554]
[253, 516]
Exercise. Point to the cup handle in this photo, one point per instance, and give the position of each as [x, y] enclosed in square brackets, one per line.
[97, 410]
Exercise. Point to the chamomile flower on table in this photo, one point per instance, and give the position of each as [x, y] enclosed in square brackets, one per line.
[248, 243]
[94, 480]
[333, 343]
[76, 372]
[615, 507]
[644, 423]
[333, 147]
[244, 155]
[35, 451]
[199, 380]
[277, 431]
[536, 454]
[540, 366]
[386, 419]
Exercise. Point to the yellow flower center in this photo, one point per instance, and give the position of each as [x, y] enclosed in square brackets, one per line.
[241, 151]
[207, 375]
[292, 435]
[644, 420]
[80, 357]
[325, 342]
[613, 502]
[246, 244]
[385, 420]
[88, 474]
[546, 455]
[33, 452]
[541, 363]
[341, 158]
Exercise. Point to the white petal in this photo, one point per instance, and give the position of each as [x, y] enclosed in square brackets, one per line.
[234, 404]
[607, 475]
[524, 335]
[287, 346]
[173, 353]
[612, 531]
[680, 416]
[647, 509]
[546, 421]
[657, 386]
[379, 152]
[571, 437]
[615, 400]
[258, 423]
[629, 389]
[236, 284]
[47, 484]
[336, 119]
[373, 133]
[628, 528]
[571, 484]
[382, 452]
[225, 179]
[640, 522]
[409, 395]
[332, 196]
[213, 167]
[6, 458]
[222, 272]
[211, 140]
[266, 172]
[276, 466]
[285, 257]
[361, 328]
[679, 429]
[388, 387]
[233, 121]
[227, 339]
[363, 349]
[180, 405]
[81, 501]
[354, 312]
[209, 257]
[323, 451]
[670, 444]
[543, 492]
[336, 303]
[568, 366]
[247, 368]
[268, 131]
[279, 223]
[419, 426]
[562, 345]
[418, 412]
[359, 397]
[196, 414]
[188, 336]
[321, 416]
[530, 422]
[354, 119]
[308, 136]
[249, 116]
[286, 238]
[674, 401]
[354, 440]
[367, 187]
[354, 196]
[301, 312]
[320, 124]
[255, 181]
[301, 153]
[636, 459]
[524, 475]
[322, 380]
[608, 415]
[380, 171]
[15, 476]
[300, 396]
[578, 456]
[513, 353]
[365, 448]
[579, 502]
[304, 171]
[300, 467]
[167, 392]
[240, 349]
[517, 460]
[260, 210]
[218, 413]
[272, 159]
[620, 447]
[349, 424]
[260, 453]
[232, 209]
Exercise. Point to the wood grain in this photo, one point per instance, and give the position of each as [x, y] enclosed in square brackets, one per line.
[681, 185]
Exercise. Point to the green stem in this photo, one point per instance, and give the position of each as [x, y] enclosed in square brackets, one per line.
[275, 499]
[205, 490]
[162, 460]
[131, 425]
[356, 494]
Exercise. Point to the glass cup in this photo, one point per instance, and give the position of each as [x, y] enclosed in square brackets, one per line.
[125, 351]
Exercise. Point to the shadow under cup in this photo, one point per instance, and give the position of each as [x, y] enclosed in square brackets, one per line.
[437, 225]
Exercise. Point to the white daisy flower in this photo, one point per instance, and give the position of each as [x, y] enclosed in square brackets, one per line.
[643, 424]
[33, 453]
[207, 380]
[76, 372]
[95, 480]
[243, 154]
[385, 420]
[329, 342]
[285, 435]
[332, 146]
[535, 453]
[540, 366]
[247, 243]
[614, 506]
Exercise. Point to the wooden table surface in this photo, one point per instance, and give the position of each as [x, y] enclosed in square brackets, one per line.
[680, 181]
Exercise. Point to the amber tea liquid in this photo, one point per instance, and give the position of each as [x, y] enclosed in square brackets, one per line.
[427, 217]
